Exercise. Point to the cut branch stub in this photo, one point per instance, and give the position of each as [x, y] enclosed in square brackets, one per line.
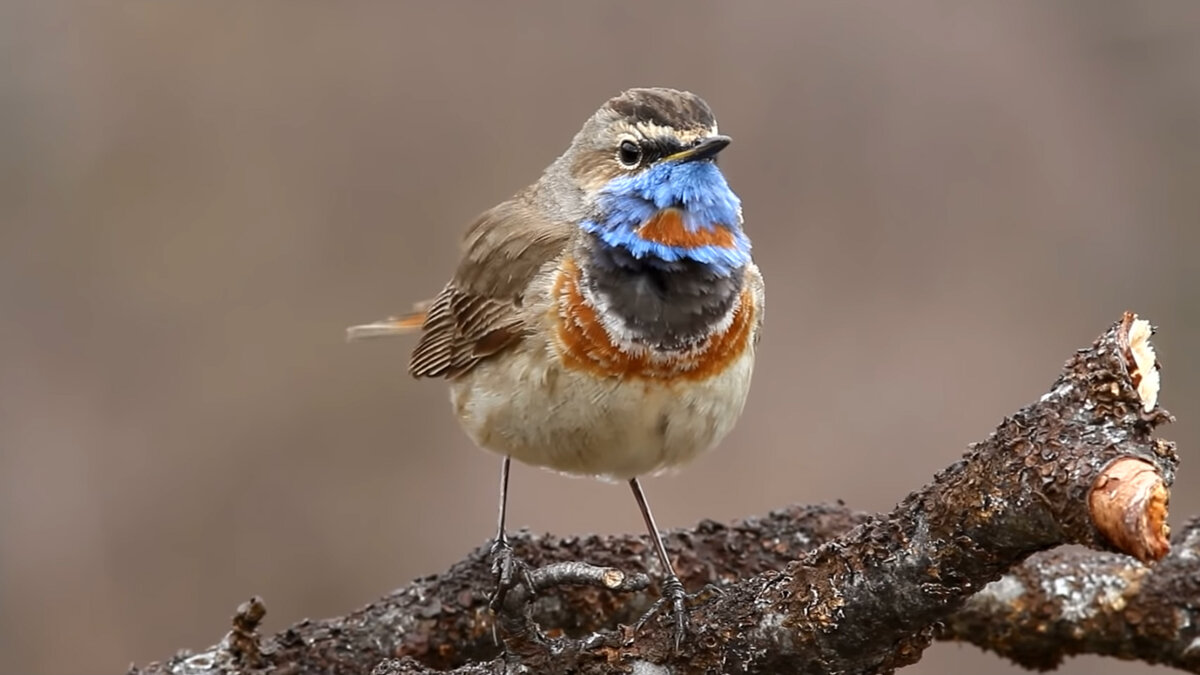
[1140, 358]
[1129, 507]
[1128, 500]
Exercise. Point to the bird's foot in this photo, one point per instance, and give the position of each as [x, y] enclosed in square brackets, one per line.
[675, 597]
[509, 570]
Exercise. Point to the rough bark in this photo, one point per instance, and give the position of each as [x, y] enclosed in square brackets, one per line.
[1068, 602]
[823, 589]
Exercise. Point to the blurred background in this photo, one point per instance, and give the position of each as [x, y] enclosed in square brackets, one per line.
[196, 199]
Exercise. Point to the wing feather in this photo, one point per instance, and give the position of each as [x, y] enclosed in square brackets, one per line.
[478, 314]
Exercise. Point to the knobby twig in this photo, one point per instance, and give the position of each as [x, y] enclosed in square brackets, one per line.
[822, 589]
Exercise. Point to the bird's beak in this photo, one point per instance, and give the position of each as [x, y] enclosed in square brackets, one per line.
[706, 148]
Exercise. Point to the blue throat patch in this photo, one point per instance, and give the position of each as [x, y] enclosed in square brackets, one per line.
[698, 189]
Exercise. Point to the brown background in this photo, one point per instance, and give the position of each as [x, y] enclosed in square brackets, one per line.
[197, 197]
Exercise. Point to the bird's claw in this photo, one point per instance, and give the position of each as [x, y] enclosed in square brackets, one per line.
[673, 593]
[510, 571]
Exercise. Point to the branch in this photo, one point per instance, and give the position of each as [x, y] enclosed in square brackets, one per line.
[1063, 603]
[1079, 466]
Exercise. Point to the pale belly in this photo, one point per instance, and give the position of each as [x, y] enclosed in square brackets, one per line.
[529, 407]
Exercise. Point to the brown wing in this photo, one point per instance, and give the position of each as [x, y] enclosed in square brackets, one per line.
[478, 313]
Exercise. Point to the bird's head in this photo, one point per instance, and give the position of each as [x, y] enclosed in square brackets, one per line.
[645, 165]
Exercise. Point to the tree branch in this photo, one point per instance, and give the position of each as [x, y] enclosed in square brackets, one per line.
[1079, 466]
[1063, 603]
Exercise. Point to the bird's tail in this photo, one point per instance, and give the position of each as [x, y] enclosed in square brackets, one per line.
[391, 326]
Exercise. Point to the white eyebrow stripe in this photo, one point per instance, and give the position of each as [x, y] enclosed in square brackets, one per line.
[651, 130]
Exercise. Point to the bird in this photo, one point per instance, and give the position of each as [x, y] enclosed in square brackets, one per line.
[604, 320]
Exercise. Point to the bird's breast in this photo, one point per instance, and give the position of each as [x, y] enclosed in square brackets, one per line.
[592, 338]
[580, 397]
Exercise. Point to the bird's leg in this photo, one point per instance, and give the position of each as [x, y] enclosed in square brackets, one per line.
[672, 588]
[509, 570]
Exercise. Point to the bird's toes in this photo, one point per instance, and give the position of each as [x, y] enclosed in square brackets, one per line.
[674, 599]
[509, 572]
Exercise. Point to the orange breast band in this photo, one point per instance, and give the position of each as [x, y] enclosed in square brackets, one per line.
[584, 344]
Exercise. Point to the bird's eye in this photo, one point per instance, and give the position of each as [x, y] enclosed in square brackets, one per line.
[629, 154]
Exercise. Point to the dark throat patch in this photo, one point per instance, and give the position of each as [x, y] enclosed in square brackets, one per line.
[667, 305]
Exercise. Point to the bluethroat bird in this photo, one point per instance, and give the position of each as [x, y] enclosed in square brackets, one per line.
[603, 321]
